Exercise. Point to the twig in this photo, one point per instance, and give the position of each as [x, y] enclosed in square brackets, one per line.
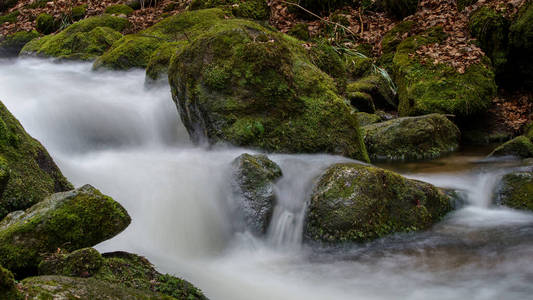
[319, 17]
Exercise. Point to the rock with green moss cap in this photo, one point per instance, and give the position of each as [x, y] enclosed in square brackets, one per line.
[368, 119]
[78, 12]
[254, 177]
[411, 138]
[516, 190]
[11, 45]
[520, 147]
[46, 24]
[63, 287]
[357, 203]
[119, 268]
[27, 172]
[83, 40]
[370, 93]
[521, 47]
[243, 84]
[491, 29]
[119, 9]
[251, 9]
[154, 46]
[428, 88]
[70, 220]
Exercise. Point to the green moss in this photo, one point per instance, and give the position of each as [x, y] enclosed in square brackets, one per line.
[516, 190]
[391, 40]
[367, 119]
[427, 88]
[119, 9]
[520, 146]
[10, 17]
[250, 9]
[46, 24]
[157, 67]
[356, 203]
[491, 29]
[8, 291]
[69, 220]
[371, 92]
[29, 173]
[78, 12]
[80, 263]
[411, 138]
[300, 31]
[278, 100]
[13, 43]
[85, 40]
[400, 8]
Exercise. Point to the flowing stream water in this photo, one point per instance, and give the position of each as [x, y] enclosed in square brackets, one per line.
[108, 130]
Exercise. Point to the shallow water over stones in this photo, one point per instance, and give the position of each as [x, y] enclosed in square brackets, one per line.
[108, 130]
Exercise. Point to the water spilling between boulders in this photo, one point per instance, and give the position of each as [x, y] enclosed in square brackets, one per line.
[121, 138]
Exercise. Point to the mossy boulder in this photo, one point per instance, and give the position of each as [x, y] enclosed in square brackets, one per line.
[425, 88]
[83, 40]
[78, 12]
[27, 172]
[9, 17]
[368, 119]
[243, 84]
[68, 220]
[254, 177]
[521, 47]
[46, 24]
[153, 47]
[411, 138]
[371, 93]
[250, 9]
[520, 146]
[52, 287]
[119, 268]
[491, 29]
[399, 8]
[356, 203]
[11, 45]
[85, 262]
[516, 190]
[119, 9]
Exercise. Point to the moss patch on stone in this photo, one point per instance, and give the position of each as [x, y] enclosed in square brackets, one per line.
[119, 9]
[27, 172]
[84, 40]
[69, 220]
[516, 190]
[520, 147]
[356, 203]
[46, 24]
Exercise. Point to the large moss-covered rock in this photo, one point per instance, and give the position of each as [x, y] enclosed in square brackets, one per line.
[520, 147]
[516, 190]
[428, 88]
[411, 138]
[120, 268]
[153, 47]
[254, 179]
[521, 47]
[63, 287]
[352, 202]
[491, 29]
[27, 172]
[69, 220]
[252, 9]
[244, 84]
[85, 40]
[11, 45]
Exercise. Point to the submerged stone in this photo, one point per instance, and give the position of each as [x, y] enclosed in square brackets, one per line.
[357, 203]
[27, 172]
[254, 180]
[411, 138]
[516, 190]
[70, 220]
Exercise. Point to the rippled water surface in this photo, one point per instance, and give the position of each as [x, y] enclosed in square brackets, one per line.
[108, 130]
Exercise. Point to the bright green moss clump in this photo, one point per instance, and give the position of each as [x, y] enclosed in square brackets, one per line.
[83, 40]
[250, 9]
[119, 9]
[27, 172]
[78, 12]
[356, 203]
[246, 85]
[427, 88]
[13, 43]
[516, 190]
[69, 220]
[46, 24]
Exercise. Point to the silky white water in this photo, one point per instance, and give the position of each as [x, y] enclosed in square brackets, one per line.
[107, 129]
